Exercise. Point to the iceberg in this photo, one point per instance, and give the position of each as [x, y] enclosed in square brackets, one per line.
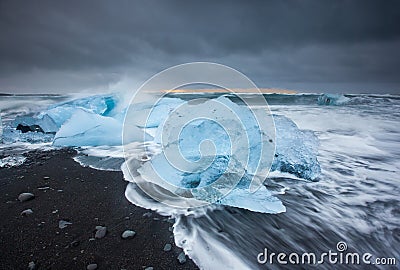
[147, 115]
[61, 123]
[50, 120]
[296, 150]
[200, 178]
[89, 129]
[100, 104]
[45, 124]
[212, 157]
[211, 144]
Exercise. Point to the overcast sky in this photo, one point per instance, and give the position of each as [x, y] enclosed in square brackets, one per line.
[313, 46]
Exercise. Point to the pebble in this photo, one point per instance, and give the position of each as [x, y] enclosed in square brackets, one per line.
[27, 212]
[182, 258]
[74, 243]
[149, 268]
[63, 224]
[167, 247]
[46, 177]
[128, 234]
[101, 232]
[23, 197]
[91, 266]
[31, 265]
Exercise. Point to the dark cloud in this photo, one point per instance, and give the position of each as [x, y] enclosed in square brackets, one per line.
[339, 46]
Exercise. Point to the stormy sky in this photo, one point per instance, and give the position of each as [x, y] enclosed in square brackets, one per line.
[98, 46]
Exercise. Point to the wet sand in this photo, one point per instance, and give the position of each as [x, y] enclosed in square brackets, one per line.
[87, 198]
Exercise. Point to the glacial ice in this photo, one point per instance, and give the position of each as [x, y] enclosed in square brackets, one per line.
[95, 127]
[95, 121]
[89, 129]
[46, 123]
[153, 115]
[296, 150]
[296, 153]
[100, 104]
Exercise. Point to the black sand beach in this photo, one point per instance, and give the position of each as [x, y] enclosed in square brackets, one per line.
[87, 198]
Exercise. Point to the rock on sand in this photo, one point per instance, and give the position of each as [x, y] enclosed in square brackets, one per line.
[23, 197]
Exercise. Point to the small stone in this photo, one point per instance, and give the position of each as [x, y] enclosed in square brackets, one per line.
[55, 211]
[128, 234]
[182, 258]
[31, 265]
[171, 220]
[74, 243]
[148, 214]
[167, 247]
[26, 212]
[63, 224]
[91, 266]
[46, 177]
[149, 268]
[23, 197]
[101, 232]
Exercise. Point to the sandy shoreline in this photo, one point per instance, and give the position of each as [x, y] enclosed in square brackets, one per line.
[87, 198]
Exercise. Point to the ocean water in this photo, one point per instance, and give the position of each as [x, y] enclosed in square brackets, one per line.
[336, 175]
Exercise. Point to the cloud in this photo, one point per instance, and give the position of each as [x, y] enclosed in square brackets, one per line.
[70, 46]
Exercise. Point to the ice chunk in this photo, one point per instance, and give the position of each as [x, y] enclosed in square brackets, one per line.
[47, 124]
[11, 135]
[100, 104]
[90, 129]
[296, 150]
[296, 153]
[260, 201]
[44, 124]
[152, 115]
